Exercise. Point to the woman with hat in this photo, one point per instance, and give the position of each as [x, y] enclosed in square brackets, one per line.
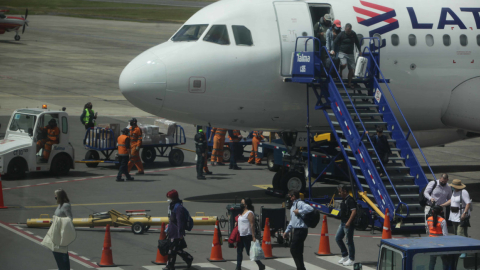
[460, 205]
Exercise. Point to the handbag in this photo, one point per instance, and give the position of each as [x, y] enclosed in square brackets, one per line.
[164, 246]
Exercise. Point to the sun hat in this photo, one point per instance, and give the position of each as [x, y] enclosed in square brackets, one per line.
[457, 183]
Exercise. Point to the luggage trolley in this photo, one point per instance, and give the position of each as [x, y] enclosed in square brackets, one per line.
[278, 223]
[99, 140]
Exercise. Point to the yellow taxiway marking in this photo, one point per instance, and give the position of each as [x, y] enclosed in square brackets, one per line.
[263, 186]
[85, 204]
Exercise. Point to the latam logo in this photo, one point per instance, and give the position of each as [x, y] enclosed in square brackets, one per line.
[387, 15]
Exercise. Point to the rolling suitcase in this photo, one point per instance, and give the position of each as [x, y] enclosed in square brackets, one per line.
[361, 67]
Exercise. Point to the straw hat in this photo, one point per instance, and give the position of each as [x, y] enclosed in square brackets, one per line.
[457, 183]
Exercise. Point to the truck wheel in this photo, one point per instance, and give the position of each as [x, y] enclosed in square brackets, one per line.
[271, 163]
[16, 168]
[294, 181]
[138, 228]
[277, 180]
[176, 157]
[92, 154]
[149, 154]
[61, 165]
[226, 154]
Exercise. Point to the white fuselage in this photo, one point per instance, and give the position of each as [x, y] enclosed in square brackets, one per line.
[242, 86]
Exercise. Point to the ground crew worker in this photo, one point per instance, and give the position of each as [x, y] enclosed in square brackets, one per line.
[437, 226]
[218, 143]
[88, 116]
[235, 136]
[257, 138]
[200, 147]
[53, 133]
[135, 143]
[123, 156]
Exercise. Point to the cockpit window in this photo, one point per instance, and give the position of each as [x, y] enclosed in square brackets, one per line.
[242, 35]
[217, 34]
[190, 32]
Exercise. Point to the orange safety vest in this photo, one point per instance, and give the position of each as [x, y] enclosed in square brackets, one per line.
[219, 131]
[122, 145]
[135, 136]
[258, 135]
[235, 133]
[53, 133]
[435, 231]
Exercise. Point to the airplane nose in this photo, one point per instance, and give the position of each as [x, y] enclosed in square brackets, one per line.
[143, 82]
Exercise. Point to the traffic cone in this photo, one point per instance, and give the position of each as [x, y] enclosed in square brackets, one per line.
[216, 254]
[107, 260]
[267, 240]
[2, 206]
[387, 229]
[161, 260]
[324, 246]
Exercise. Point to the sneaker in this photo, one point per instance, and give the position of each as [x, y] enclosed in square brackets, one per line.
[139, 173]
[189, 263]
[349, 263]
[208, 173]
[342, 260]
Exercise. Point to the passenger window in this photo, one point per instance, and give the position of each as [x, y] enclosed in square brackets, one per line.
[242, 35]
[360, 36]
[429, 39]
[412, 40]
[217, 34]
[190, 32]
[64, 125]
[478, 40]
[446, 40]
[395, 40]
[463, 40]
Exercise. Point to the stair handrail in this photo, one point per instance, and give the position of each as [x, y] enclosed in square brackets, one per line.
[398, 106]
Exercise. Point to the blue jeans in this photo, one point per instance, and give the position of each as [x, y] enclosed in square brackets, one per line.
[63, 260]
[342, 231]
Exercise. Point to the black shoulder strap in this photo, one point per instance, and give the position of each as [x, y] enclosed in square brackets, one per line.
[461, 201]
[434, 186]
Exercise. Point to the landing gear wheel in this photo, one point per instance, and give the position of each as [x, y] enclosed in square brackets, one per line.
[227, 154]
[138, 228]
[271, 163]
[92, 154]
[16, 169]
[61, 165]
[294, 181]
[148, 155]
[277, 180]
[176, 157]
[17, 37]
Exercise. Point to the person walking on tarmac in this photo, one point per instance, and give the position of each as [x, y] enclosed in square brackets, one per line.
[257, 138]
[123, 143]
[176, 231]
[88, 116]
[53, 133]
[200, 147]
[235, 136]
[218, 143]
[135, 143]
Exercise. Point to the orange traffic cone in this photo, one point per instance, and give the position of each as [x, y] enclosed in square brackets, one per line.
[107, 260]
[161, 259]
[324, 246]
[2, 206]
[216, 254]
[387, 229]
[267, 240]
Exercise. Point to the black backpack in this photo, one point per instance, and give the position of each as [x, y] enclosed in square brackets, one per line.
[421, 198]
[311, 219]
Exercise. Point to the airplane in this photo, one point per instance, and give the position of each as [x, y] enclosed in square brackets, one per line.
[11, 23]
[225, 67]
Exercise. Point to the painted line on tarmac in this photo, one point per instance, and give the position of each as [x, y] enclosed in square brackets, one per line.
[90, 204]
[93, 178]
[32, 238]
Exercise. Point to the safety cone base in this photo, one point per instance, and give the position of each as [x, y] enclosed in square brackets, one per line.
[221, 260]
[154, 262]
[318, 254]
[111, 265]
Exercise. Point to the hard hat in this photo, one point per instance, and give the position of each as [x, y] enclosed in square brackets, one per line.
[125, 131]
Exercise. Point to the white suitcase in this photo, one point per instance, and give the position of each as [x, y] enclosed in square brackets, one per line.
[361, 67]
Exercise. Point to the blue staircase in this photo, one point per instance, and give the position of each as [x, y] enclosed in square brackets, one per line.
[350, 113]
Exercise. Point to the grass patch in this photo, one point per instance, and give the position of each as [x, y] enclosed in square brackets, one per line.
[101, 10]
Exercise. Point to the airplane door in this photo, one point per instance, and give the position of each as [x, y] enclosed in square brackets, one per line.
[293, 20]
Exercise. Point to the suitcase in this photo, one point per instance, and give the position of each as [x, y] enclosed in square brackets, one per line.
[361, 67]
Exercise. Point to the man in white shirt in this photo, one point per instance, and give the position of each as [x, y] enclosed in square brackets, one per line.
[438, 191]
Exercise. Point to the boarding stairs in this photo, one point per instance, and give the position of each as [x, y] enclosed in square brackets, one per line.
[395, 185]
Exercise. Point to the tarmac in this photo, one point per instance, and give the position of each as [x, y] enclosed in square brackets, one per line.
[66, 62]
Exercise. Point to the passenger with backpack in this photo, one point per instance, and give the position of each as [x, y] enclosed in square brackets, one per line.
[179, 221]
[380, 143]
[300, 229]
[437, 192]
[348, 210]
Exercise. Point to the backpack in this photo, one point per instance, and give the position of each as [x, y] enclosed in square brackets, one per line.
[311, 219]
[421, 198]
[188, 218]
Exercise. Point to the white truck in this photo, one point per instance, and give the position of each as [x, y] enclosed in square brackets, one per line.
[18, 150]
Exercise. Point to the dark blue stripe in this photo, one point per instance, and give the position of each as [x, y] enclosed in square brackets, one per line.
[379, 18]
